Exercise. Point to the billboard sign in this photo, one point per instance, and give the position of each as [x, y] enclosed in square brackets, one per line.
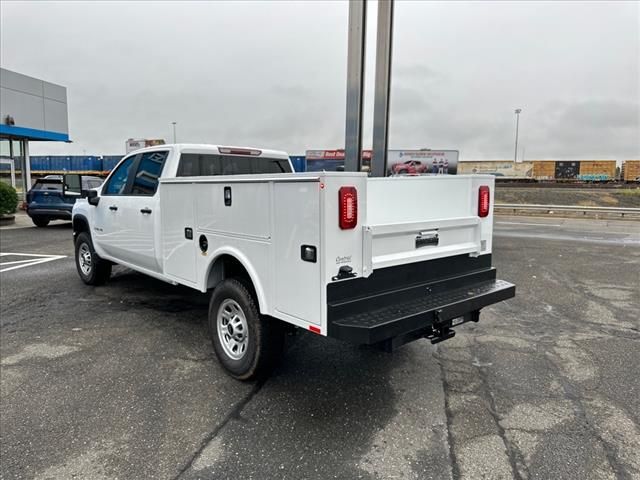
[398, 161]
[136, 144]
[332, 160]
[422, 161]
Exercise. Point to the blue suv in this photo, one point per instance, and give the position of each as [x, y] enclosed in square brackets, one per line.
[45, 201]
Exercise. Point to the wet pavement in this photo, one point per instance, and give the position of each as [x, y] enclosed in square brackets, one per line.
[120, 381]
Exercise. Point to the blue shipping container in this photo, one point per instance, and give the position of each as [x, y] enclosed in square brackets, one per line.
[299, 163]
[110, 161]
[39, 163]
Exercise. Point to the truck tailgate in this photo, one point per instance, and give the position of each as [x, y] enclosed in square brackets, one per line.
[413, 219]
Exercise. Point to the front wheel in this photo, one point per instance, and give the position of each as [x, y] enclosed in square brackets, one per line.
[247, 344]
[92, 269]
[40, 222]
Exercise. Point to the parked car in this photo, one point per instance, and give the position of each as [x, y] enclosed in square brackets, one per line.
[45, 201]
[410, 166]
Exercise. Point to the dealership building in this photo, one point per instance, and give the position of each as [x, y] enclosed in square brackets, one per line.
[31, 110]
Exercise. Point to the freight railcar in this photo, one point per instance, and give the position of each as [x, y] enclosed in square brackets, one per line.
[631, 171]
[574, 170]
[500, 168]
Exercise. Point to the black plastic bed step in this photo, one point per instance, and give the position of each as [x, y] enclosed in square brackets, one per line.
[421, 312]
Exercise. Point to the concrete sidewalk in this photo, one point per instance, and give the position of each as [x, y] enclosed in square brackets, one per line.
[24, 221]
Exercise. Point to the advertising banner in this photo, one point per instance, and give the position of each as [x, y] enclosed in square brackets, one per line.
[422, 161]
[136, 144]
[399, 162]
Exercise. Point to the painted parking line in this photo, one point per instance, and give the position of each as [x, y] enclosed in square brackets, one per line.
[33, 259]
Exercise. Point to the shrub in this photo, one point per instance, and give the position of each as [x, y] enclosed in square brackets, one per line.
[8, 198]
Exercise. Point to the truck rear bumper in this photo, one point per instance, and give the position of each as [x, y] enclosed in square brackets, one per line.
[426, 307]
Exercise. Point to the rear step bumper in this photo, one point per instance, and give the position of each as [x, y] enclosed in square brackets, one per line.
[430, 313]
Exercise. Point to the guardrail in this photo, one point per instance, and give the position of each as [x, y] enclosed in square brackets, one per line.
[569, 208]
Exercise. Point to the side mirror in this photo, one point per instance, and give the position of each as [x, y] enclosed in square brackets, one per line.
[92, 197]
[72, 185]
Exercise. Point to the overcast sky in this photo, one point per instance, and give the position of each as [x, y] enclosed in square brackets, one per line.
[273, 75]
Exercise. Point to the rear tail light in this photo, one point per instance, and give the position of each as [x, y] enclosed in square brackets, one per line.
[348, 200]
[483, 201]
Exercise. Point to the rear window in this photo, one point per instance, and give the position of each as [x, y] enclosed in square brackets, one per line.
[196, 165]
[54, 185]
[48, 185]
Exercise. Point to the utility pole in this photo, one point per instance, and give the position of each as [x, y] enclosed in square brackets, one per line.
[355, 86]
[384, 53]
[174, 131]
[515, 155]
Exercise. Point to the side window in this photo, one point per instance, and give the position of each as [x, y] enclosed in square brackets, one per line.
[189, 165]
[149, 170]
[118, 181]
[196, 164]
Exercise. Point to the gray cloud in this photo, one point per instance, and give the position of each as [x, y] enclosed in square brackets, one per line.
[273, 74]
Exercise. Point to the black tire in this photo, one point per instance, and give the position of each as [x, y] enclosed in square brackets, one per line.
[40, 222]
[99, 270]
[403, 171]
[262, 341]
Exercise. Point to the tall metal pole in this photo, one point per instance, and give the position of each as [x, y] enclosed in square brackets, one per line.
[515, 156]
[384, 54]
[174, 131]
[355, 84]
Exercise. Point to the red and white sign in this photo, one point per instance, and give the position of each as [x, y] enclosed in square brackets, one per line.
[333, 154]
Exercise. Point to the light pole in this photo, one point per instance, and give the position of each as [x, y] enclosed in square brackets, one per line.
[174, 131]
[515, 155]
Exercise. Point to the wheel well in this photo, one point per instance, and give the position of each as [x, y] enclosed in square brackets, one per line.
[227, 266]
[80, 224]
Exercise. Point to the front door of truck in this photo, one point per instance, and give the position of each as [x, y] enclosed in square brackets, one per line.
[141, 212]
[107, 232]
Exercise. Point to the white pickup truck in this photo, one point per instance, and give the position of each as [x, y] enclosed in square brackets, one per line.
[369, 260]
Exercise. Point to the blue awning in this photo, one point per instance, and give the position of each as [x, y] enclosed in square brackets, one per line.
[32, 134]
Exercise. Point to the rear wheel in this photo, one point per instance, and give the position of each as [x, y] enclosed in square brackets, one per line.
[246, 343]
[402, 172]
[40, 221]
[92, 269]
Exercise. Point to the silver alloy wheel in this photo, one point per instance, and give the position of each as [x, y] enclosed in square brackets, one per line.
[84, 259]
[233, 330]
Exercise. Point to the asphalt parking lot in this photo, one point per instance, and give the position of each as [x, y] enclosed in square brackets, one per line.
[121, 382]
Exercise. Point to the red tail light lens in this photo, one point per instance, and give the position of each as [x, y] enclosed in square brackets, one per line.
[483, 201]
[348, 200]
